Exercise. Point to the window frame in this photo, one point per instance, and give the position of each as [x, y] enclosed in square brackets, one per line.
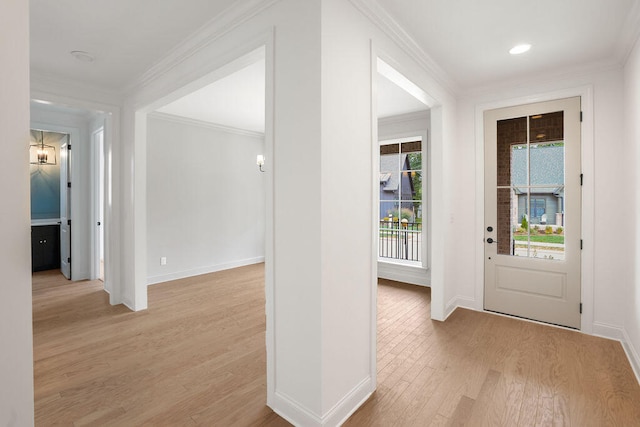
[424, 201]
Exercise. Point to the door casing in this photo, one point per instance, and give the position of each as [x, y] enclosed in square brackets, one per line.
[538, 272]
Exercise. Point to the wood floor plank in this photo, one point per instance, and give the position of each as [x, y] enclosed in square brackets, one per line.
[198, 349]
[462, 412]
[197, 357]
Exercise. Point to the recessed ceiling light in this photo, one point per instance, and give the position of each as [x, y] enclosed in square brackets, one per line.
[40, 101]
[521, 48]
[83, 56]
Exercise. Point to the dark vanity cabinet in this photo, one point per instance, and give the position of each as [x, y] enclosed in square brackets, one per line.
[45, 247]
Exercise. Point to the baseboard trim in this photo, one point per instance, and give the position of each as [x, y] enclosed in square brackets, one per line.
[297, 414]
[294, 412]
[459, 301]
[153, 280]
[466, 302]
[349, 403]
[411, 274]
[632, 354]
[606, 330]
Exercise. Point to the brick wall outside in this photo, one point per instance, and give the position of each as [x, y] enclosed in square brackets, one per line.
[509, 132]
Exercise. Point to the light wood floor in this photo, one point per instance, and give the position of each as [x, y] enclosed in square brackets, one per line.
[197, 357]
[483, 369]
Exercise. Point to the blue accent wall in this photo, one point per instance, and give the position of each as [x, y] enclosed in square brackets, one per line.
[45, 183]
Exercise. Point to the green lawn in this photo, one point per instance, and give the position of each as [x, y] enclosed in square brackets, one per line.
[541, 238]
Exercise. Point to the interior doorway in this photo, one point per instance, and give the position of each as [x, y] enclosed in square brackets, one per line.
[48, 158]
[76, 181]
[533, 211]
[403, 213]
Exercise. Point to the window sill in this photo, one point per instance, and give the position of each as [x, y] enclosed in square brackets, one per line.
[408, 272]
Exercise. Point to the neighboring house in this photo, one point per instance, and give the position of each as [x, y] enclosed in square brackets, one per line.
[547, 168]
[394, 186]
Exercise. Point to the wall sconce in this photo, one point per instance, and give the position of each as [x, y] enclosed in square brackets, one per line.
[260, 162]
[41, 154]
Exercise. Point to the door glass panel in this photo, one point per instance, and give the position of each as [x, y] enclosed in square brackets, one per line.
[507, 214]
[511, 132]
[530, 193]
[519, 165]
[547, 163]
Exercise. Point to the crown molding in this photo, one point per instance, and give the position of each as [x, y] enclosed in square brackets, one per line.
[389, 26]
[207, 125]
[221, 24]
[403, 118]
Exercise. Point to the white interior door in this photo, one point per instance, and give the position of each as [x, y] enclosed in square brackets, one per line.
[533, 211]
[65, 209]
[100, 203]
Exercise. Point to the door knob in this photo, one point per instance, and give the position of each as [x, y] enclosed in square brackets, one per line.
[490, 240]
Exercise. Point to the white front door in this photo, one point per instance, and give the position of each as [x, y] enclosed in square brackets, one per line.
[533, 211]
[65, 209]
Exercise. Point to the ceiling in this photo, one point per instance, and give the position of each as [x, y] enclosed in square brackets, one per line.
[393, 101]
[126, 37]
[236, 101]
[469, 40]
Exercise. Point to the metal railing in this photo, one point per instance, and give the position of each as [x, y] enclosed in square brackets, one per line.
[400, 240]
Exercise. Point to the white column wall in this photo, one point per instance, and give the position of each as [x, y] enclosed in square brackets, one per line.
[632, 155]
[297, 206]
[348, 285]
[16, 336]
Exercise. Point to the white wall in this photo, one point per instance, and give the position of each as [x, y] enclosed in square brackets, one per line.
[205, 199]
[77, 124]
[632, 156]
[346, 202]
[604, 194]
[16, 348]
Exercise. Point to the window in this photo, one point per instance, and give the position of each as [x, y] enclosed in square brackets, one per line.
[537, 208]
[401, 202]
